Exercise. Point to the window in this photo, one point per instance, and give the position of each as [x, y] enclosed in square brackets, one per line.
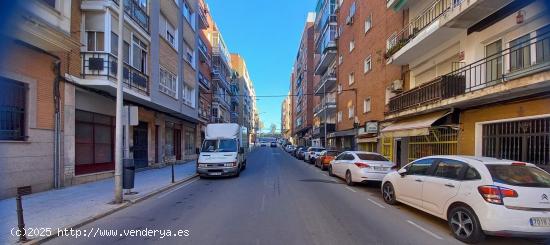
[126, 52]
[351, 78]
[520, 53]
[139, 54]
[94, 142]
[189, 95]
[419, 167]
[339, 88]
[190, 56]
[188, 14]
[368, 23]
[449, 169]
[472, 174]
[367, 66]
[372, 157]
[13, 110]
[543, 44]
[168, 83]
[351, 45]
[189, 142]
[339, 116]
[96, 40]
[351, 110]
[520, 175]
[367, 105]
[114, 43]
[494, 62]
[168, 31]
[352, 9]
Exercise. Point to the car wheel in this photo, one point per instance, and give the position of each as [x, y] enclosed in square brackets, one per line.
[388, 193]
[465, 225]
[349, 180]
[323, 168]
[330, 173]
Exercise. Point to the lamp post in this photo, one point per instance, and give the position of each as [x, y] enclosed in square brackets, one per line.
[119, 104]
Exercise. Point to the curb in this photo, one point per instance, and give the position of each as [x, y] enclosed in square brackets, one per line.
[127, 203]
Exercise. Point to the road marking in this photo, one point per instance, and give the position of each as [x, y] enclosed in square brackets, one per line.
[175, 189]
[425, 230]
[351, 189]
[263, 203]
[376, 203]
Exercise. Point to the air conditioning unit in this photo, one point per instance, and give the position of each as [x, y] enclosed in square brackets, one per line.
[397, 86]
[349, 20]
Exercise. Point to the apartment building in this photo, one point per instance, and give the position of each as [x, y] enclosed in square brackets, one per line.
[286, 118]
[363, 78]
[326, 30]
[242, 97]
[303, 82]
[40, 48]
[205, 67]
[221, 77]
[475, 81]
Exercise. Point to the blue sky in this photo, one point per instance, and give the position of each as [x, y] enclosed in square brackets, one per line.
[267, 34]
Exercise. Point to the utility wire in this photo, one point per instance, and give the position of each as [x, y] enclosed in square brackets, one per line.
[274, 96]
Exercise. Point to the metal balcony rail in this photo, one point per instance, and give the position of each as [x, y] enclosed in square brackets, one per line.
[324, 80]
[424, 19]
[136, 12]
[325, 103]
[326, 13]
[327, 39]
[522, 59]
[105, 65]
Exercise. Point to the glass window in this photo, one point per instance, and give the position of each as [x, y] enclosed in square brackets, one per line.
[223, 145]
[372, 157]
[12, 109]
[114, 43]
[367, 105]
[472, 174]
[96, 41]
[449, 169]
[368, 23]
[494, 62]
[367, 66]
[520, 53]
[341, 156]
[126, 53]
[520, 175]
[351, 78]
[168, 83]
[139, 54]
[419, 167]
[543, 44]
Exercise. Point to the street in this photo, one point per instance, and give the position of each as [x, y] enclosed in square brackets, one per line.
[276, 200]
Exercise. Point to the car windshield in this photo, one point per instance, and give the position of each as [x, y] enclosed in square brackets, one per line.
[372, 157]
[519, 175]
[223, 145]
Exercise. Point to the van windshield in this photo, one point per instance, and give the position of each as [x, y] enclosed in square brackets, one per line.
[223, 145]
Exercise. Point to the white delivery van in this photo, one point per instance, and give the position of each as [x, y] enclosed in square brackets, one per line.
[223, 152]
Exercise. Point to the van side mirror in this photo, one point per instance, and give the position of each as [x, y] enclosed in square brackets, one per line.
[241, 150]
[402, 171]
[197, 151]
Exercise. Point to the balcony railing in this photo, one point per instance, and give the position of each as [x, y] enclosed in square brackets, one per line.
[105, 65]
[424, 19]
[326, 102]
[205, 55]
[327, 39]
[326, 80]
[522, 59]
[133, 9]
[326, 13]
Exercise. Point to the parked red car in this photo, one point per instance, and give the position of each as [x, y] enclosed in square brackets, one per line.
[323, 161]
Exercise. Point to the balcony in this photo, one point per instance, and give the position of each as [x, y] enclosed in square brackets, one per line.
[218, 98]
[220, 78]
[320, 130]
[104, 65]
[328, 105]
[136, 12]
[326, 13]
[328, 80]
[326, 46]
[498, 77]
[203, 21]
[204, 82]
[438, 23]
[204, 55]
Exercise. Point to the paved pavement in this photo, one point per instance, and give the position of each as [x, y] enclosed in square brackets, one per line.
[69, 206]
[277, 200]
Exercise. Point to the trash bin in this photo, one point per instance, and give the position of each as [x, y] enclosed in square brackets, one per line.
[128, 173]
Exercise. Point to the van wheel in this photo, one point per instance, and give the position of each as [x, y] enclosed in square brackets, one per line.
[465, 225]
[349, 180]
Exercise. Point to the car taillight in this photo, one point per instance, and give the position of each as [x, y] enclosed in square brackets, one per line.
[495, 194]
[518, 164]
[361, 165]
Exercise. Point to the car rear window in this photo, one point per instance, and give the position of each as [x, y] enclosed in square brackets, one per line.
[332, 153]
[371, 157]
[519, 175]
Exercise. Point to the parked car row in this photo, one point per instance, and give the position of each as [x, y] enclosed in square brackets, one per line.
[477, 196]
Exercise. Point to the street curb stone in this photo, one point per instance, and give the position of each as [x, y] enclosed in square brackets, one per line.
[126, 204]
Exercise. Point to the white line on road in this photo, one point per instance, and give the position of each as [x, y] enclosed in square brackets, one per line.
[175, 189]
[351, 189]
[425, 230]
[263, 203]
[376, 203]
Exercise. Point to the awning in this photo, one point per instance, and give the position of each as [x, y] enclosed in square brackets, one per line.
[350, 132]
[415, 126]
[367, 140]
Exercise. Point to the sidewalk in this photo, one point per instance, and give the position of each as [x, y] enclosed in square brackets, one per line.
[70, 206]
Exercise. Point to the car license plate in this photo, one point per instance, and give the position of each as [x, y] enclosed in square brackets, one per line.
[380, 168]
[215, 173]
[540, 221]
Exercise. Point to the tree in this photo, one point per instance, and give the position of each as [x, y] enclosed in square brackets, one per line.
[273, 129]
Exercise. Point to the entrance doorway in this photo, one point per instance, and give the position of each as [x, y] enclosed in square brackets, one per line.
[177, 143]
[140, 148]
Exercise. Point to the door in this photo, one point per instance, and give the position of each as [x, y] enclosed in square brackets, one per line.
[177, 143]
[398, 159]
[409, 187]
[493, 63]
[442, 185]
[140, 148]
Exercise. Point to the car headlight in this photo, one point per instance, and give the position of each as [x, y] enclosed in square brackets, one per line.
[202, 165]
[230, 164]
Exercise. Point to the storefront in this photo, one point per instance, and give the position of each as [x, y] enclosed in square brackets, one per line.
[94, 142]
[342, 140]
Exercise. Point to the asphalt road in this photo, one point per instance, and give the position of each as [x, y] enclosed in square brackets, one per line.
[276, 200]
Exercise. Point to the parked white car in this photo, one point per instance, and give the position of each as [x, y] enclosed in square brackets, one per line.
[360, 166]
[312, 153]
[476, 195]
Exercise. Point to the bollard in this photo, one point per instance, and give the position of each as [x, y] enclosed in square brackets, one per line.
[173, 181]
[20, 221]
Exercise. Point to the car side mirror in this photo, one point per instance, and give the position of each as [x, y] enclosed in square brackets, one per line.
[402, 171]
[197, 151]
[241, 150]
